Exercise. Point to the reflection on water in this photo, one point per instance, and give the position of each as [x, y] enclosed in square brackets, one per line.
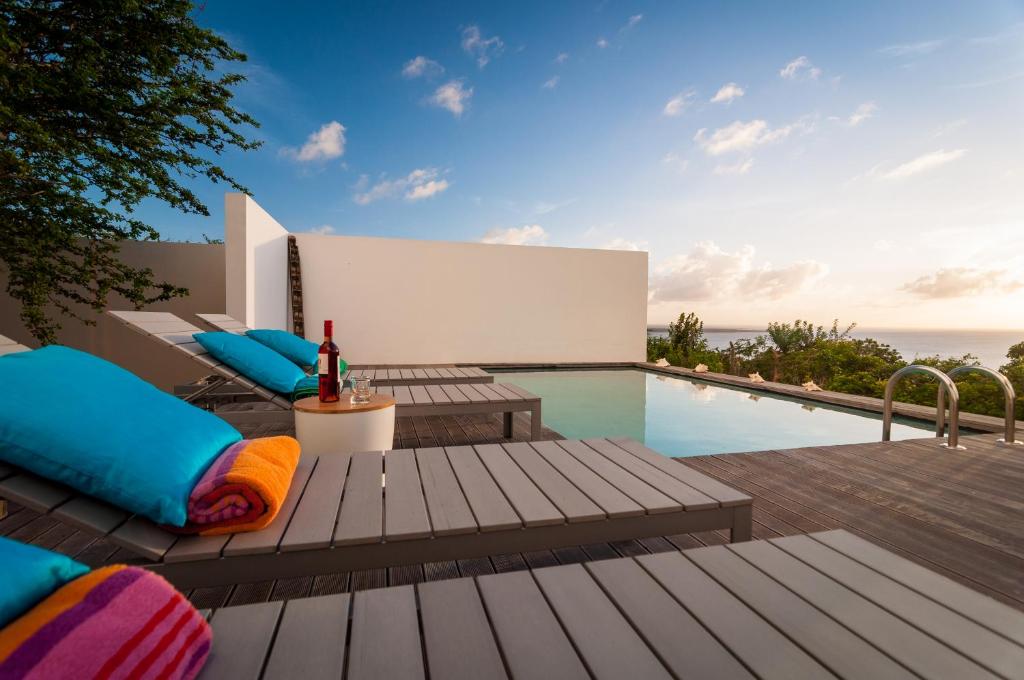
[682, 417]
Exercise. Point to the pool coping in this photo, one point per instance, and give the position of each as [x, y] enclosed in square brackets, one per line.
[973, 421]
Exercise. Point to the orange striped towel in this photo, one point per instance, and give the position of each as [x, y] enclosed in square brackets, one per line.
[115, 622]
[244, 488]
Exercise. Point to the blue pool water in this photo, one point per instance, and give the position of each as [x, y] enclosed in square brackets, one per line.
[681, 417]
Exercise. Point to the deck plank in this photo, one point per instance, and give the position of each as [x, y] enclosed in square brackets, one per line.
[490, 507]
[405, 512]
[456, 633]
[449, 510]
[361, 518]
[385, 635]
[307, 642]
[528, 500]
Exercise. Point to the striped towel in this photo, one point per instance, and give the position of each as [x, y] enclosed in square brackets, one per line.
[244, 488]
[115, 622]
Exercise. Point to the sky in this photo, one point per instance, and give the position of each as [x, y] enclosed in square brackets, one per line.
[777, 161]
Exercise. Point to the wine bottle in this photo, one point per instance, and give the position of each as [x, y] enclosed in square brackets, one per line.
[327, 366]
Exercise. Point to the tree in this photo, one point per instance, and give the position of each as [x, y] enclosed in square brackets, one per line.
[686, 334]
[105, 104]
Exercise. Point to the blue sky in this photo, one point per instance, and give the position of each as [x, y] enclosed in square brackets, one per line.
[860, 160]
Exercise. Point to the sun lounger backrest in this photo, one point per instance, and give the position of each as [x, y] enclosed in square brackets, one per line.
[177, 333]
[8, 346]
[223, 322]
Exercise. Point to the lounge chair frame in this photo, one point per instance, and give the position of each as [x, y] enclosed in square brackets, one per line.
[348, 512]
[413, 400]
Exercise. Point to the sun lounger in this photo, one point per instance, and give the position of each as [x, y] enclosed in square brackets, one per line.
[8, 346]
[822, 605]
[438, 504]
[416, 400]
[420, 375]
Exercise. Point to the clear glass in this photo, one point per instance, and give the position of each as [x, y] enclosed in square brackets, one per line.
[360, 390]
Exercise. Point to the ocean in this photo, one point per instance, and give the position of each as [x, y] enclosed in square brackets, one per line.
[989, 346]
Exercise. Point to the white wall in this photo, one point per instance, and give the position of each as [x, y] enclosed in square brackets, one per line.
[415, 302]
[399, 301]
[256, 264]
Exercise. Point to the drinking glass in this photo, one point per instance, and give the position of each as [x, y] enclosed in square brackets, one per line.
[361, 390]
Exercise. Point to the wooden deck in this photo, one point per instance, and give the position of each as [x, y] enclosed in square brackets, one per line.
[958, 513]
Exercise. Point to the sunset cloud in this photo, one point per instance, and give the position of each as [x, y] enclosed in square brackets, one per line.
[962, 282]
[526, 235]
[741, 136]
[924, 163]
[708, 272]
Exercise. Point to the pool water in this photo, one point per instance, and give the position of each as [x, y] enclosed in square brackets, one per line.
[681, 417]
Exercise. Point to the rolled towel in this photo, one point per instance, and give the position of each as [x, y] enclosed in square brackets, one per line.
[810, 386]
[700, 368]
[661, 362]
[756, 377]
[244, 488]
[116, 621]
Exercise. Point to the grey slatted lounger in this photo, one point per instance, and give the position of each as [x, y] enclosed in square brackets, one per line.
[438, 504]
[422, 375]
[416, 400]
[822, 605]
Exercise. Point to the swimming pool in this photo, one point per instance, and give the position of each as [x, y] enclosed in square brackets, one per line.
[682, 417]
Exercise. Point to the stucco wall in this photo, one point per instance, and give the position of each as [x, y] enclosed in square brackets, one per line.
[415, 302]
[256, 264]
[198, 267]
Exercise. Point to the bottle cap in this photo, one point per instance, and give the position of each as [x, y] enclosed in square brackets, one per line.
[328, 327]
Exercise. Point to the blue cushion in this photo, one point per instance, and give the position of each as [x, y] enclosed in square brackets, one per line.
[77, 419]
[30, 575]
[300, 351]
[257, 362]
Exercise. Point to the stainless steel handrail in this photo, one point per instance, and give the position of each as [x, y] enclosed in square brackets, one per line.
[1009, 394]
[946, 386]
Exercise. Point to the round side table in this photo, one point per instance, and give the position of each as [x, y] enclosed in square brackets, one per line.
[344, 427]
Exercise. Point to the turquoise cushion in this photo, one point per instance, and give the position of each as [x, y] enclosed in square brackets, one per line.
[77, 419]
[30, 575]
[298, 350]
[256, 362]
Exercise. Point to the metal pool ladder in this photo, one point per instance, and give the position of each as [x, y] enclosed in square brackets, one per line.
[946, 386]
[1009, 395]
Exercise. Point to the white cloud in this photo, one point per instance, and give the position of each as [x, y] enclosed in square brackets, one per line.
[323, 230]
[962, 282]
[526, 235]
[727, 93]
[928, 161]
[418, 184]
[739, 168]
[709, 273]
[632, 21]
[327, 142]
[913, 49]
[623, 244]
[602, 43]
[452, 96]
[551, 83]
[483, 49]
[427, 189]
[676, 161]
[801, 67]
[562, 58]
[679, 103]
[421, 66]
[740, 136]
[863, 112]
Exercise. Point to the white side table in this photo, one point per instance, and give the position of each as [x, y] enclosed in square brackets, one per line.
[344, 427]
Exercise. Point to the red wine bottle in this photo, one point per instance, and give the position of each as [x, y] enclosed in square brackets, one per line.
[329, 385]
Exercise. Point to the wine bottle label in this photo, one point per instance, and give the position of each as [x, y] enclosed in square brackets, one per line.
[323, 363]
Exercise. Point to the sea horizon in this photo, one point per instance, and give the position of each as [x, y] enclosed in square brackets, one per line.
[988, 345]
